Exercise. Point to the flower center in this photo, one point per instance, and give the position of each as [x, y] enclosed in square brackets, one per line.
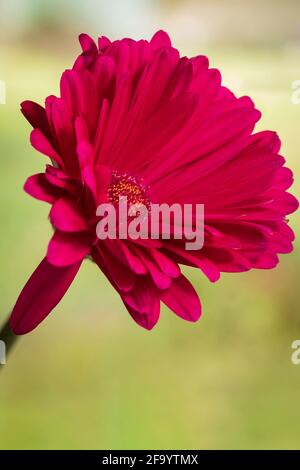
[123, 185]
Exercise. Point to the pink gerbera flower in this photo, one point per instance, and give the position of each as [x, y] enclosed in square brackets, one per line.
[136, 119]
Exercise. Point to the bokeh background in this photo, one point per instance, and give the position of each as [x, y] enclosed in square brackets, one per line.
[89, 377]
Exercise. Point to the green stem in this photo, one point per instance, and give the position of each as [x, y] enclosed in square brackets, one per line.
[8, 337]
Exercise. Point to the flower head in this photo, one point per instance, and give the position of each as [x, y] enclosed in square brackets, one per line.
[135, 119]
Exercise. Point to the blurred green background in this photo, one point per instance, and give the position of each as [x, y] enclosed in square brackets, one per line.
[89, 377]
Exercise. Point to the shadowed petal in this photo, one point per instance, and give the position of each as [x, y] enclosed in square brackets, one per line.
[40, 143]
[143, 303]
[120, 276]
[36, 116]
[38, 187]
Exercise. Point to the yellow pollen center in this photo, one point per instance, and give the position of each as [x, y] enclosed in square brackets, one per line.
[127, 186]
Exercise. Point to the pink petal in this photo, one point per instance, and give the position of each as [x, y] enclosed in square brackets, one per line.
[194, 258]
[103, 43]
[143, 303]
[87, 42]
[154, 268]
[68, 248]
[42, 292]
[66, 216]
[120, 276]
[126, 256]
[63, 126]
[182, 298]
[160, 39]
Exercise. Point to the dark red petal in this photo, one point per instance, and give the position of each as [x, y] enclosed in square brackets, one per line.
[42, 292]
[147, 321]
[36, 116]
